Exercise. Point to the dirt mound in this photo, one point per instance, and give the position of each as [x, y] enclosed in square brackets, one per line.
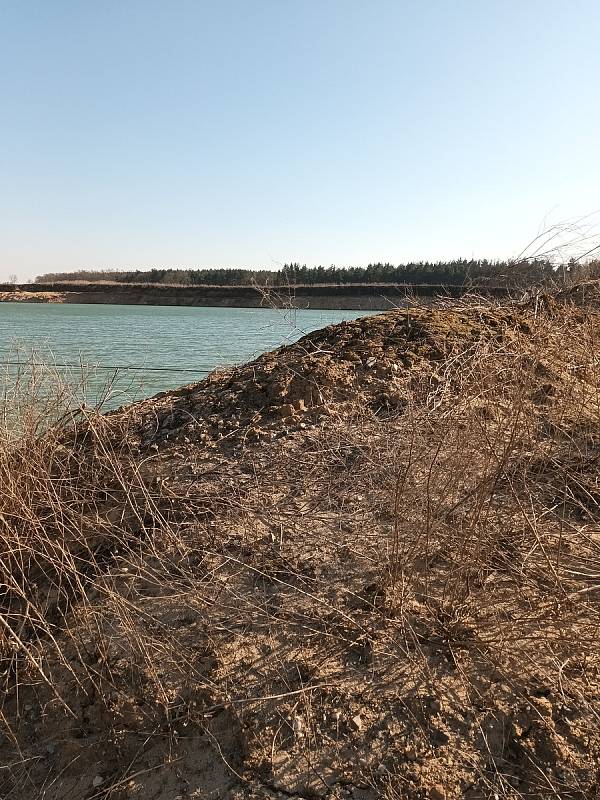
[374, 362]
[584, 295]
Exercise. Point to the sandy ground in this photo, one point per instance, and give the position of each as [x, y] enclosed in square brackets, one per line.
[32, 297]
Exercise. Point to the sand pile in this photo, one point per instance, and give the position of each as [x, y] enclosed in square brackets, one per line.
[19, 296]
[374, 362]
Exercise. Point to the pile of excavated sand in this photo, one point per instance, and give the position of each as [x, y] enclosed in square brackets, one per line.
[31, 297]
[374, 361]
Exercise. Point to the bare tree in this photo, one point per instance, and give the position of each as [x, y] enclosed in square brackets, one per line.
[13, 279]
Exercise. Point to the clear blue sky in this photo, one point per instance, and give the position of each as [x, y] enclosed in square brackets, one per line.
[171, 133]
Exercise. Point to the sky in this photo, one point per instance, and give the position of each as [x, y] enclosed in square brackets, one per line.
[250, 133]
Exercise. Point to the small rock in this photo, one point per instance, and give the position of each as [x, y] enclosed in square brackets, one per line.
[97, 781]
[370, 362]
[357, 722]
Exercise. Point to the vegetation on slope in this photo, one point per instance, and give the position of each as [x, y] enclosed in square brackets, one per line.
[365, 565]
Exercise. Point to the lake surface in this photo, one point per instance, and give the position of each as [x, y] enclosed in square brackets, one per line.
[142, 350]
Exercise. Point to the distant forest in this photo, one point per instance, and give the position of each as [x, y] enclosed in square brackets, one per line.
[451, 273]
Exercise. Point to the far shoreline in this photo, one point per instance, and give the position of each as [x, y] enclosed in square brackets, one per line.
[348, 297]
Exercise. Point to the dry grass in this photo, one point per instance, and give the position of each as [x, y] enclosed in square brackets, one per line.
[381, 602]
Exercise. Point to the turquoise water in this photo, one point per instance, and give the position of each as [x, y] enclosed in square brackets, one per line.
[185, 344]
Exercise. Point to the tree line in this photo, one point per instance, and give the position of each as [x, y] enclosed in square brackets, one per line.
[450, 273]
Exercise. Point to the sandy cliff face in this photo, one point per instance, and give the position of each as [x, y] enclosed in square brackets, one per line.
[316, 297]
